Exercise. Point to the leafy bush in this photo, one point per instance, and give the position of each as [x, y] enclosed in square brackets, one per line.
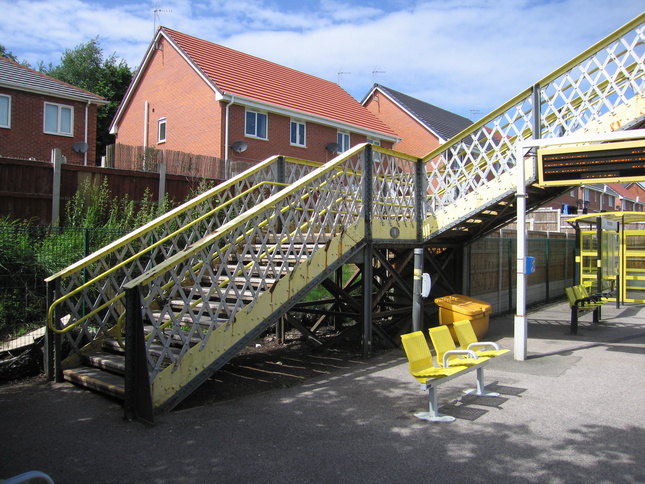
[22, 292]
[29, 254]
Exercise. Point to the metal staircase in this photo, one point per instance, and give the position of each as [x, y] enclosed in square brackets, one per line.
[154, 314]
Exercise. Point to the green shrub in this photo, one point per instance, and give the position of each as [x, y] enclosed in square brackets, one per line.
[29, 254]
[22, 291]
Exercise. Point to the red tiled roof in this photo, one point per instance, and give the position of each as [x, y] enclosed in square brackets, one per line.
[234, 72]
[621, 190]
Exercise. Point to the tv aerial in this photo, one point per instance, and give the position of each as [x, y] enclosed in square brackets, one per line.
[156, 11]
[341, 73]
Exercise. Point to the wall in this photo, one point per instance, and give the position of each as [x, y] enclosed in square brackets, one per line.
[279, 139]
[416, 139]
[173, 90]
[26, 139]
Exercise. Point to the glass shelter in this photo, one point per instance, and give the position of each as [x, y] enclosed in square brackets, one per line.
[610, 254]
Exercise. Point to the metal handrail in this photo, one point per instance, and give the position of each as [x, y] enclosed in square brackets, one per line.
[544, 81]
[149, 228]
[241, 219]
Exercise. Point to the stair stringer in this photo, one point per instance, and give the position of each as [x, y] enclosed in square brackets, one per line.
[177, 381]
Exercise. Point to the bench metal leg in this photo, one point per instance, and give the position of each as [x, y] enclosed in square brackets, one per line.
[480, 391]
[574, 320]
[433, 415]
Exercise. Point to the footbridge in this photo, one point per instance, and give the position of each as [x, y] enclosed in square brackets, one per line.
[151, 316]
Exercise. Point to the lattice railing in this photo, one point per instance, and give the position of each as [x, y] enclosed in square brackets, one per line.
[593, 84]
[87, 296]
[200, 290]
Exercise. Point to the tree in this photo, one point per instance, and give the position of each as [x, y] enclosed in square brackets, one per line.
[85, 67]
[7, 54]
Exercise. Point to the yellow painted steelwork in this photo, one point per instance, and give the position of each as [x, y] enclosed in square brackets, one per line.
[631, 254]
[197, 359]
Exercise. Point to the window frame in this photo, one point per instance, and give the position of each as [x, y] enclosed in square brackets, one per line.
[256, 114]
[375, 142]
[344, 141]
[302, 143]
[59, 109]
[8, 125]
[162, 122]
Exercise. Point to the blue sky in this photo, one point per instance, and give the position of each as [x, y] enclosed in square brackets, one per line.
[467, 56]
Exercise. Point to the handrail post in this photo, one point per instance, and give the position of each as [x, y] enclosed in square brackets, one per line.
[281, 166]
[368, 190]
[138, 399]
[421, 196]
[53, 340]
[368, 212]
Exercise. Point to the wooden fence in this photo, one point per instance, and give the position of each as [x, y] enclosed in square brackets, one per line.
[31, 190]
[149, 159]
[491, 268]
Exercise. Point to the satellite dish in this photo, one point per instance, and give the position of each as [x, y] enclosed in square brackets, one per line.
[239, 146]
[333, 147]
[81, 147]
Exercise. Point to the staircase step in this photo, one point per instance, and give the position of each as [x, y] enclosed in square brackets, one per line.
[204, 321]
[98, 380]
[111, 362]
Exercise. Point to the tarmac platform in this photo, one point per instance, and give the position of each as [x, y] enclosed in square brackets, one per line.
[572, 412]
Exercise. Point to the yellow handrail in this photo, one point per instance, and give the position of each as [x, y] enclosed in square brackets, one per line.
[50, 312]
[543, 82]
[147, 228]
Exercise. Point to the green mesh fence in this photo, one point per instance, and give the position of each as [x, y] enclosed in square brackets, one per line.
[28, 254]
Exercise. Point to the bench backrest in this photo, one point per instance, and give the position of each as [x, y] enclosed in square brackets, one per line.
[571, 295]
[442, 341]
[465, 333]
[418, 353]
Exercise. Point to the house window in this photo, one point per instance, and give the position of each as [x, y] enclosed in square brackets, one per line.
[59, 119]
[256, 124]
[5, 111]
[343, 141]
[162, 130]
[298, 132]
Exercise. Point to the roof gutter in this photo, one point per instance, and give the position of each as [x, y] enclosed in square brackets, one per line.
[273, 108]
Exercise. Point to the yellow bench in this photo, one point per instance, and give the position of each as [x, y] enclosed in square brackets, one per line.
[430, 376]
[580, 300]
[468, 340]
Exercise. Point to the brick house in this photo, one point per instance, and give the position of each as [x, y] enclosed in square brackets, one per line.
[421, 126]
[39, 113]
[195, 96]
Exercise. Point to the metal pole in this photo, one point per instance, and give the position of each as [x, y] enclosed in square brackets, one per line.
[520, 316]
[416, 289]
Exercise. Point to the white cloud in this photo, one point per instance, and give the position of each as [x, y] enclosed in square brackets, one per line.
[457, 54]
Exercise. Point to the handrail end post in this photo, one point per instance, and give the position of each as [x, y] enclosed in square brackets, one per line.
[53, 340]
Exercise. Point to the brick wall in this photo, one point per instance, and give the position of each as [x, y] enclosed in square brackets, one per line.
[195, 121]
[279, 139]
[173, 90]
[26, 139]
[415, 138]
